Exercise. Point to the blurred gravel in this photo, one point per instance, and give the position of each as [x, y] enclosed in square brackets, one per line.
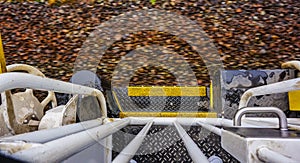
[248, 34]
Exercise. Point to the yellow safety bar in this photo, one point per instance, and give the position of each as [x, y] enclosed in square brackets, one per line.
[211, 93]
[2, 58]
[294, 103]
[166, 91]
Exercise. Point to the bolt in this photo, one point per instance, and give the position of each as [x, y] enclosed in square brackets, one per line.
[33, 116]
[25, 121]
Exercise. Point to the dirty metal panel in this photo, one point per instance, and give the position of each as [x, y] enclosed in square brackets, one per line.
[235, 82]
[237, 141]
[163, 144]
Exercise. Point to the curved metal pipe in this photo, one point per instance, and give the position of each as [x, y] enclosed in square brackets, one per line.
[129, 151]
[279, 87]
[268, 155]
[12, 80]
[282, 118]
[291, 64]
[192, 148]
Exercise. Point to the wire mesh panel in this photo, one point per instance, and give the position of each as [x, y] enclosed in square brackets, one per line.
[163, 144]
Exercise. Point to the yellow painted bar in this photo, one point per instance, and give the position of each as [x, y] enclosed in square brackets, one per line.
[169, 114]
[211, 95]
[117, 101]
[294, 97]
[166, 91]
[2, 58]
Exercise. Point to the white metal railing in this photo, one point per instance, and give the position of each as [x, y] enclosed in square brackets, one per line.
[283, 125]
[211, 128]
[129, 151]
[194, 151]
[280, 87]
[44, 136]
[291, 64]
[12, 80]
[182, 120]
[59, 146]
[56, 147]
[62, 148]
[267, 155]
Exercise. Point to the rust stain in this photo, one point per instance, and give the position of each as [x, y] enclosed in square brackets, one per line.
[245, 97]
[297, 85]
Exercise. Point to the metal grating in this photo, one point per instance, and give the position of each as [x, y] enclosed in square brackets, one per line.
[160, 103]
[162, 144]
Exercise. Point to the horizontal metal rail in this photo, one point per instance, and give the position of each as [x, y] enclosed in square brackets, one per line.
[44, 136]
[282, 118]
[129, 151]
[268, 155]
[60, 149]
[194, 151]
[270, 122]
[211, 128]
[280, 87]
[14, 80]
[57, 148]
[222, 122]
[256, 122]
[169, 114]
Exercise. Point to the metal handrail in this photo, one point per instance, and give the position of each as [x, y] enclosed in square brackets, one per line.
[195, 152]
[129, 151]
[291, 64]
[267, 155]
[282, 118]
[55, 151]
[14, 80]
[43, 136]
[280, 87]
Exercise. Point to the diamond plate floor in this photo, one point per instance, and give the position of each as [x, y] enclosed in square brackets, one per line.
[163, 144]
